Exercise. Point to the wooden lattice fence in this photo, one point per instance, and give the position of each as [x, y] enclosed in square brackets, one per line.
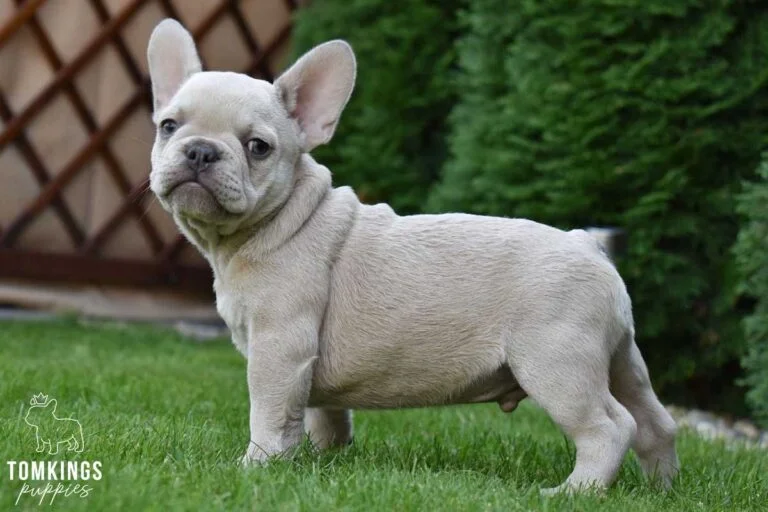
[76, 132]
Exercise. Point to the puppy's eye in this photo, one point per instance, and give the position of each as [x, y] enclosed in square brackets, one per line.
[259, 148]
[168, 126]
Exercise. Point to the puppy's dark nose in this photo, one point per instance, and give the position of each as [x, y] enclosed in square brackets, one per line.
[200, 155]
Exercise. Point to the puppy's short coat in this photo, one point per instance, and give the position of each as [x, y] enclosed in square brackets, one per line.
[338, 305]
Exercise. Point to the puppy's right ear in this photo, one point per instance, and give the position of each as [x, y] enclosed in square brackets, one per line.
[172, 60]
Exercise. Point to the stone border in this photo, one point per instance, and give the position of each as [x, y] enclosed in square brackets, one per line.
[714, 428]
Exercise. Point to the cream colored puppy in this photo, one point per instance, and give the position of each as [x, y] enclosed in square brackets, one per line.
[338, 305]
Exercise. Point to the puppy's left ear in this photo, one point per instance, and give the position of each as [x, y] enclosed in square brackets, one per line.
[172, 58]
[316, 88]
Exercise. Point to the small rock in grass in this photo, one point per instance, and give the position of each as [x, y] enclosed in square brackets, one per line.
[747, 430]
[705, 429]
[201, 332]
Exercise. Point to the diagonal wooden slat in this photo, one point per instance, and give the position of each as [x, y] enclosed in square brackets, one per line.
[173, 250]
[134, 198]
[250, 41]
[260, 59]
[209, 21]
[169, 9]
[19, 19]
[41, 175]
[122, 49]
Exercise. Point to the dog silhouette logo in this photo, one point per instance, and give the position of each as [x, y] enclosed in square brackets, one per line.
[50, 429]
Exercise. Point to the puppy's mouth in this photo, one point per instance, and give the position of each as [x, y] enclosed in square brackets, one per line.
[190, 182]
[195, 200]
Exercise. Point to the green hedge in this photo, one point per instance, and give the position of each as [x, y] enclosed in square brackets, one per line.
[390, 144]
[646, 114]
[752, 254]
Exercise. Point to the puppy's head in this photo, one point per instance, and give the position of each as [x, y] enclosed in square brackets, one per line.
[227, 144]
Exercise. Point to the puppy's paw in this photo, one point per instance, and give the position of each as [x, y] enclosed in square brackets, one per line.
[325, 441]
[255, 456]
[555, 491]
[571, 489]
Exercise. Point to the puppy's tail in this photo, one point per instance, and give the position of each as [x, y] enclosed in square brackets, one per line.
[612, 240]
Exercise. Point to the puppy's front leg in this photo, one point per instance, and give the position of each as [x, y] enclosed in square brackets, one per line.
[280, 366]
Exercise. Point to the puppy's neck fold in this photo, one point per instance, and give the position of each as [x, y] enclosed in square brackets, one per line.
[256, 240]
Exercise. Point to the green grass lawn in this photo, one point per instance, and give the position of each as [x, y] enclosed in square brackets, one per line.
[167, 419]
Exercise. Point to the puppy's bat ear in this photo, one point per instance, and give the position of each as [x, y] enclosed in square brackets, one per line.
[316, 88]
[172, 58]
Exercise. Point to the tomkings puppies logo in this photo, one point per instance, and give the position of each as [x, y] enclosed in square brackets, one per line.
[46, 480]
[51, 430]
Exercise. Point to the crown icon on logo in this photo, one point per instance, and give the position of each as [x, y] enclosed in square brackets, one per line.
[39, 399]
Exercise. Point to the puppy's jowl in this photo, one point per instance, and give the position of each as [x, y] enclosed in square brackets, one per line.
[338, 305]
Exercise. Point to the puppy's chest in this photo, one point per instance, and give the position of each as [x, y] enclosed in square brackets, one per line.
[234, 315]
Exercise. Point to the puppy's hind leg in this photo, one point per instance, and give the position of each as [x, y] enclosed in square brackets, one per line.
[569, 380]
[655, 440]
[328, 427]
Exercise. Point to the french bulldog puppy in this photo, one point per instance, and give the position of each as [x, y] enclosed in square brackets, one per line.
[339, 305]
